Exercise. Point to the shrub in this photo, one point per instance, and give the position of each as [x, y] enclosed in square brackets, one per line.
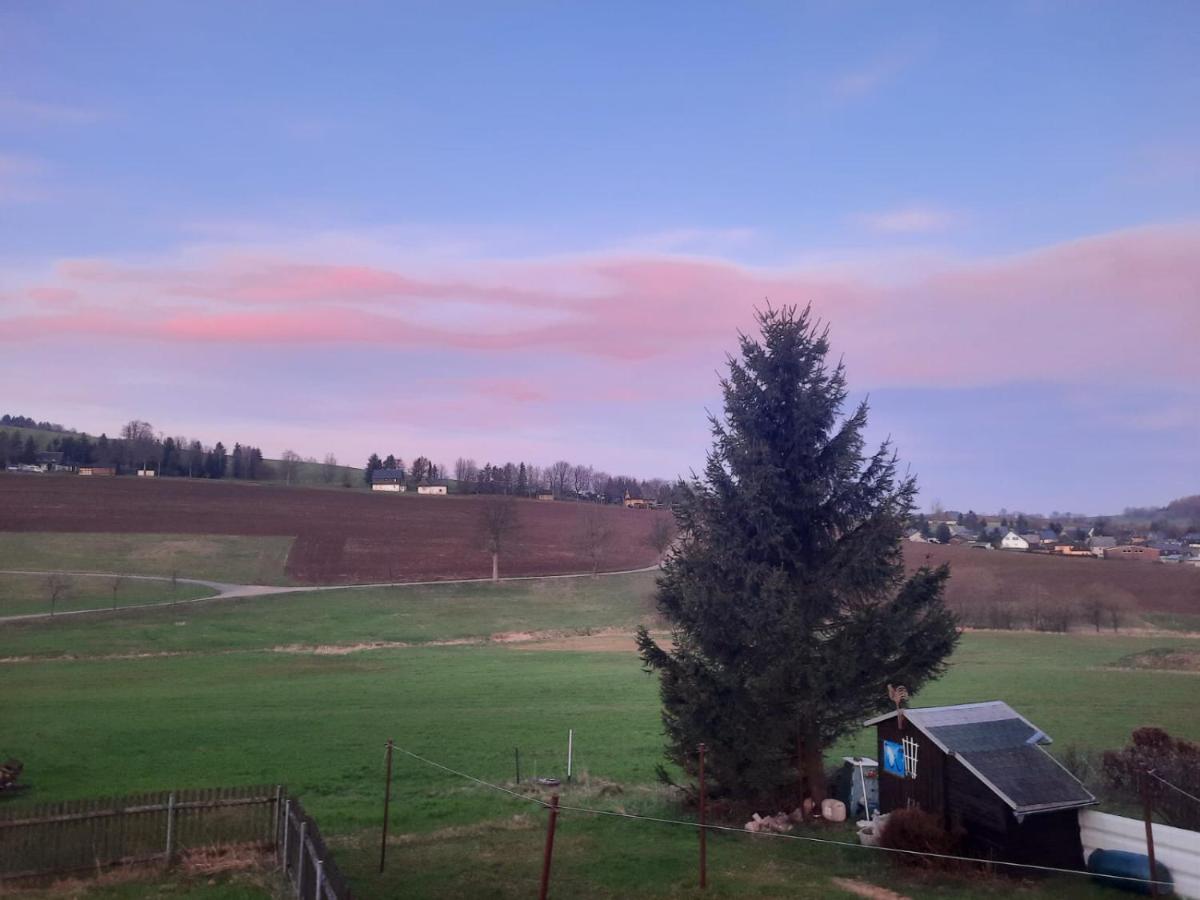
[1175, 761]
[915, 830]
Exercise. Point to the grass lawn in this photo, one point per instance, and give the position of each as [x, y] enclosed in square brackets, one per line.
[87, 727]
[22, 594]
[350, 616]
[232, 558]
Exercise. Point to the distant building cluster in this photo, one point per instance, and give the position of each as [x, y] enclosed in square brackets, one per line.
[1004, 534]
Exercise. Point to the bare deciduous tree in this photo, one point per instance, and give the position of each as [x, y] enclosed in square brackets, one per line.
[498, 527]
[558, 474]
[581, 478]
[329, 468]
[593, 534]
[289, 464]
[58, 585]
[115, 586]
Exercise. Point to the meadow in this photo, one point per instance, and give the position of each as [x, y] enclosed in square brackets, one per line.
[232, 692]
[32, 594]
[239, 559]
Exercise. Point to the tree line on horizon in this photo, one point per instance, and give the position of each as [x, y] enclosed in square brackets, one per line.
[562, 479]
[137, 447]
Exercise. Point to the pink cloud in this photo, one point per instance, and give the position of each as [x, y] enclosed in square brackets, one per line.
[1068, 309]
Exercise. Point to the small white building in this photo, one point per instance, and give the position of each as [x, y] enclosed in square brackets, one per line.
[394, 487]
[1013, 541]
[436, 489]
[390, 480]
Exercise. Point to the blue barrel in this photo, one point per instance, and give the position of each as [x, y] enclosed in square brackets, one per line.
[1130, 871]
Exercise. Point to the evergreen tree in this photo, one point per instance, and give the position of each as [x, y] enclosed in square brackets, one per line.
[390, 462]
[942, 533]
[522, 481]
[787, 596]
[373, 466]
[29, 454]
[237, 465]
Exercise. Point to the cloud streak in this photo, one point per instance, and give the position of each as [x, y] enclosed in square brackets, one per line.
[1071, 308]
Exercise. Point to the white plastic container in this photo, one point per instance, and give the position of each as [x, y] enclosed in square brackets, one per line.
[833, 810]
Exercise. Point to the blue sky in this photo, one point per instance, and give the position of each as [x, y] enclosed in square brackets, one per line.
[232, 218]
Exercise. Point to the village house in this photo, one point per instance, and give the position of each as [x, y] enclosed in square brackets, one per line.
[1099, 543]
[980, 767]
[97, 470]
[1132, 552]
[390, 480]
[545, 496]
[50, 461]
[637, 502]
[436, 490]
[1013, 541]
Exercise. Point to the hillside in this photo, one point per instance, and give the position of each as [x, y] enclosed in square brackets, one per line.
[984, 579]
[306, 472]
[340, 536]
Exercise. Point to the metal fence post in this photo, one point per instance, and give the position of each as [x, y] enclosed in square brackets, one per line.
[1144, 783]
[170, 828]
[278, 817]
[317, 891]
[544, 889]
[287, 826]
[300, 860]
[703, 824]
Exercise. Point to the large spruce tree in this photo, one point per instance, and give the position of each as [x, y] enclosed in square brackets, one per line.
[786, 593]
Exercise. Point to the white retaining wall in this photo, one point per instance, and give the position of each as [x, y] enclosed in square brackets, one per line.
[1176, 848]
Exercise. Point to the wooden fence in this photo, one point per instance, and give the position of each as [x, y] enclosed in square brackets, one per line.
[83, 835]
[306, 861]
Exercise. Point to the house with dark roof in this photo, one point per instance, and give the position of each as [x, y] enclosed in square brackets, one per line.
[982, 769]
[1098, 543]
[388, 480]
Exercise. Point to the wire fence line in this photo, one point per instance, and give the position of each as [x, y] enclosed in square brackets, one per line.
[775, 834]
[1173, 787]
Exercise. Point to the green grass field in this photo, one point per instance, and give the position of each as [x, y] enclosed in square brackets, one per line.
[93, 726]
[24, 594]
[217, 557]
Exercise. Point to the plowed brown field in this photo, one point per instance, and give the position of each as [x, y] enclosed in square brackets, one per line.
[341, 536]
[1002, 576]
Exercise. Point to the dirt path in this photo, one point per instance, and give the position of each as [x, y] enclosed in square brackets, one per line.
[227, 591]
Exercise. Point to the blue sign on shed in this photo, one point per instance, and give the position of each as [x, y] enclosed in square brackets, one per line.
[893, 759]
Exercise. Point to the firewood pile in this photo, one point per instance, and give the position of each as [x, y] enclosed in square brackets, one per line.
[780, 823]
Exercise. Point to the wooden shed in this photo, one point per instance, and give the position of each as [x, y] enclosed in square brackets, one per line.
[981, 767]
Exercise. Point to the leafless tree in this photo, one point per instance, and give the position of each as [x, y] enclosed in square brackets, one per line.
[58, 585]
[329, 468]
[662, 532]
[464, 469]
[498, 528]
[139, 441]
[593, 534]
[581, 478]
[289, 464]
[115, 586]
[558, 473]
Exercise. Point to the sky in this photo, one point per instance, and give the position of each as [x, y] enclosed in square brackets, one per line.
[533, 230]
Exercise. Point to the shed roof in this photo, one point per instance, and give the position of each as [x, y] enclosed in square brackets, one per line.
[388, 475]
[1002, 749]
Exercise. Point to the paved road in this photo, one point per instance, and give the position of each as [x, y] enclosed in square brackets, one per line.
[223, 590]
